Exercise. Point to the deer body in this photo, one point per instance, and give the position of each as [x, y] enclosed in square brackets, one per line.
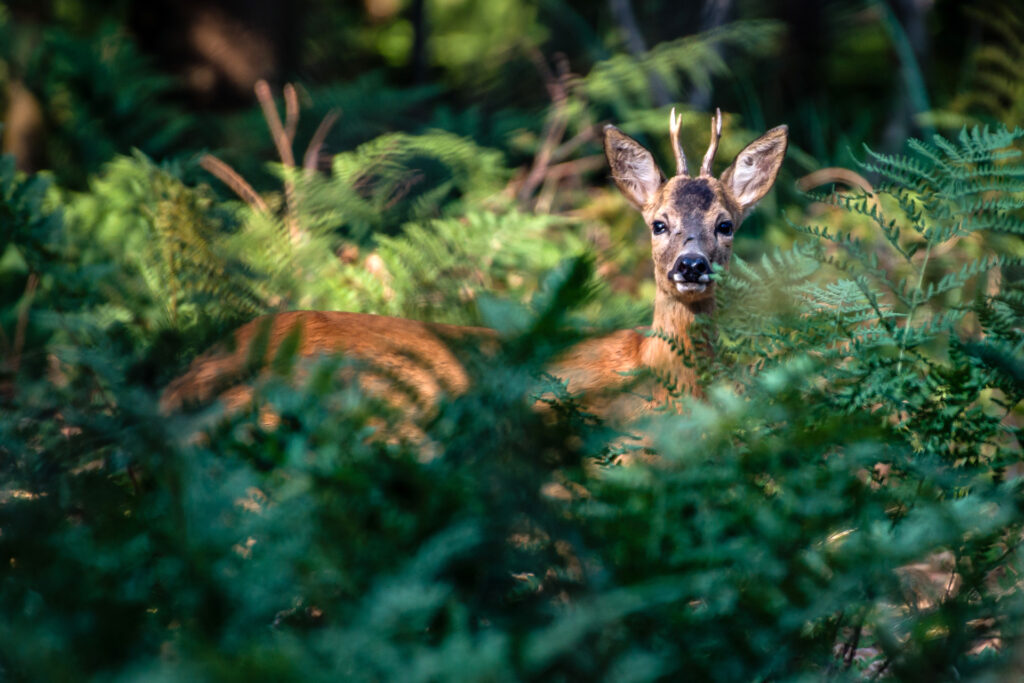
[411, 363]
[692, 222]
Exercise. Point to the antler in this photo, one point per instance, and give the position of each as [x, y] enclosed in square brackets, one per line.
[673, 129]
[716, 135]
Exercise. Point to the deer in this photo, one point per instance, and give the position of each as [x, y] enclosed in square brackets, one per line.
[692, 222]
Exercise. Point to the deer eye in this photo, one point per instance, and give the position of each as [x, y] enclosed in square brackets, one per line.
[658, 227]
[724, 228]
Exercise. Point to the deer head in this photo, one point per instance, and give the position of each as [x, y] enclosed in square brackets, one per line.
[693, 219]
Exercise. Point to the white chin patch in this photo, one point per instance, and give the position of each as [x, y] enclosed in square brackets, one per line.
[691, 287]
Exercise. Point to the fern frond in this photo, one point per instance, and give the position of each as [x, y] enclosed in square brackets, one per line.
[693, 59]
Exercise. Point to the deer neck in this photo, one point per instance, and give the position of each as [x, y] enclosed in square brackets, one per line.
[673, 320]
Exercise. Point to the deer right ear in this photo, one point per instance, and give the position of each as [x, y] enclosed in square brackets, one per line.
[633, 167]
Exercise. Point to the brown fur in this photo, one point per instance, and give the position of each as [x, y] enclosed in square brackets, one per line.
[412, 364]
[408, 361]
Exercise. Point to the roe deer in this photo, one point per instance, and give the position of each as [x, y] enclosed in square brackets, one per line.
[692, 221]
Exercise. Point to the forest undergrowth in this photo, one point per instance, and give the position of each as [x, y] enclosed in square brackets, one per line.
[845, 502]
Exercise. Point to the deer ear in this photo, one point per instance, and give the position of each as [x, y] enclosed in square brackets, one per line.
[633, 167]
[754, 171]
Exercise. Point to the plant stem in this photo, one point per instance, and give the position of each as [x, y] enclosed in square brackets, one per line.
[914, 304]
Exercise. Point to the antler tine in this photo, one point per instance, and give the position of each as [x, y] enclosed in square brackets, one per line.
[716, 135]
[673, 129]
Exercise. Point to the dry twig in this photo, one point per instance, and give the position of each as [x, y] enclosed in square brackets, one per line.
[21, 327]
[273, 119]
[234, 180]
[554, 130]
[283, 140]
[291, 115]
[834, 174]
[309, 160]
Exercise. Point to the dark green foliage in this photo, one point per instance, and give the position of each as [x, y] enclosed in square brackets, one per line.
[780, 533]
[369, 107]
[762, 515]
[440, 267]
[172, 244]
[688, 62]
[843, 504]
[378, 187]
[892, 339]
[996, 87]
[99, 96]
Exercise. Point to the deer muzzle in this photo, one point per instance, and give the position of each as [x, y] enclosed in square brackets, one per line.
[691, 269]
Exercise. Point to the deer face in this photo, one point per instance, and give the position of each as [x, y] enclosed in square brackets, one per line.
[693, 220]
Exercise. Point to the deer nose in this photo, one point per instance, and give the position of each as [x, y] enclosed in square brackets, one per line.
[691, 268]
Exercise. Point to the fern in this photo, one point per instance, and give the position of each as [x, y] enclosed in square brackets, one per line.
[996, 88]
[369, 107]
[177, 270]
[304, 243]
[887, 334]
[890, 328]
[100, 97]
[438, 269]
[397, 177]
[692, 60]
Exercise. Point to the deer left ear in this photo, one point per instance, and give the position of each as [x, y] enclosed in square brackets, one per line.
[754, 171]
